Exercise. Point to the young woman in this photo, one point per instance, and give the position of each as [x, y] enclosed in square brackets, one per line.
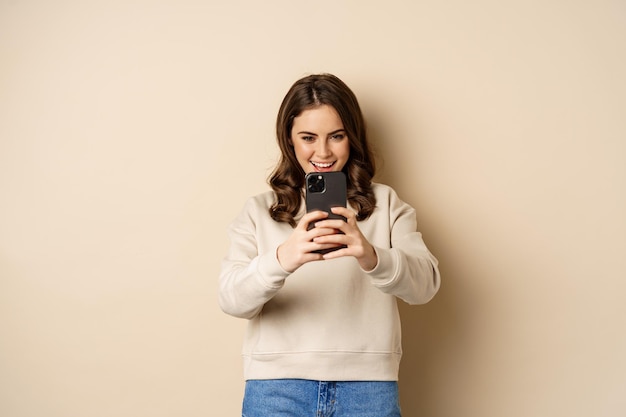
[323, 335]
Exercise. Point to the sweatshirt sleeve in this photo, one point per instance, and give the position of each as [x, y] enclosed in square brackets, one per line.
[248, 279]
[407, 269]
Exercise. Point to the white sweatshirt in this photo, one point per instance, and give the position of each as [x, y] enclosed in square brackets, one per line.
[328, 320]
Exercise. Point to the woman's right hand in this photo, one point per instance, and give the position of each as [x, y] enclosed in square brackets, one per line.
[298, 249]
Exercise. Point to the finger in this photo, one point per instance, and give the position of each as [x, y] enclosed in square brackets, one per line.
[336, 239]
[332, 224]
[321, 231]
[338, 253]
[310, 218]
[312, 256]
[323, 247]
[345, 212]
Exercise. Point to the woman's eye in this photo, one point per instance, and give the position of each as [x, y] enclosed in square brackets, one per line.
[308, 138]
[338, 136]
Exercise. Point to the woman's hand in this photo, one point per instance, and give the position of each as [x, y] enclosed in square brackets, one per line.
[356, 244]
[298, 249]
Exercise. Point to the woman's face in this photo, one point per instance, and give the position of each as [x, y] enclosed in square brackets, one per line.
[319, 140]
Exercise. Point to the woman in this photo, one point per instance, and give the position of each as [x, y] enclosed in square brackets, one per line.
[323, 335]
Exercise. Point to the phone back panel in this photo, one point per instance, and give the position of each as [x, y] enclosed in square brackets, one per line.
[334, 193]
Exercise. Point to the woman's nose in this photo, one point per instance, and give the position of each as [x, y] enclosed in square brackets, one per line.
[323, 148]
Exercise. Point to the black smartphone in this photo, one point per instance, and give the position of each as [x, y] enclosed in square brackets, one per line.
[325, 190]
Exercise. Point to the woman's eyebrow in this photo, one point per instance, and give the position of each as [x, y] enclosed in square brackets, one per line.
[315, 134]
[336, 131]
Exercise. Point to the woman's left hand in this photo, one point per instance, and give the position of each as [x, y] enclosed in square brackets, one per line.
[351, 236]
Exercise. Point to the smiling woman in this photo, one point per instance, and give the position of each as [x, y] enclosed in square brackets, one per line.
[319, 140]
[321, 108]
[323, 334]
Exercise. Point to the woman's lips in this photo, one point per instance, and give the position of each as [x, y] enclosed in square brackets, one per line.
[323, 166]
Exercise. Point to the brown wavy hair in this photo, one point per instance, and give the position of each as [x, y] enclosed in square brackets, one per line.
[287, 179]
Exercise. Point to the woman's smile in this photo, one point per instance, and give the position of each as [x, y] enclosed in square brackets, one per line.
[322, 167]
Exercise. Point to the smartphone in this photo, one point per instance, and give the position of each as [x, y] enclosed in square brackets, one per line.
[325, 190]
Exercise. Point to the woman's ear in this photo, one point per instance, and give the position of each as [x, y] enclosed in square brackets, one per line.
[289, 141]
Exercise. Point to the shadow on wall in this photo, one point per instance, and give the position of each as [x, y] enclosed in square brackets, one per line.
[432, 334]
[430, 349]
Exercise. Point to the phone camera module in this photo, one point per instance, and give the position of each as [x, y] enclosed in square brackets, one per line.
[316, 183]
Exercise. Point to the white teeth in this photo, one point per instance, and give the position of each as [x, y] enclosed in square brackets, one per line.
[319, 164]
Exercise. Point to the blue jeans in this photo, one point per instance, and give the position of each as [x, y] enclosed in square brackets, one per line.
[304, 398]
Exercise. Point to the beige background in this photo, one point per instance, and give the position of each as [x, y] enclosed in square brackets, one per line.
[131, 132]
